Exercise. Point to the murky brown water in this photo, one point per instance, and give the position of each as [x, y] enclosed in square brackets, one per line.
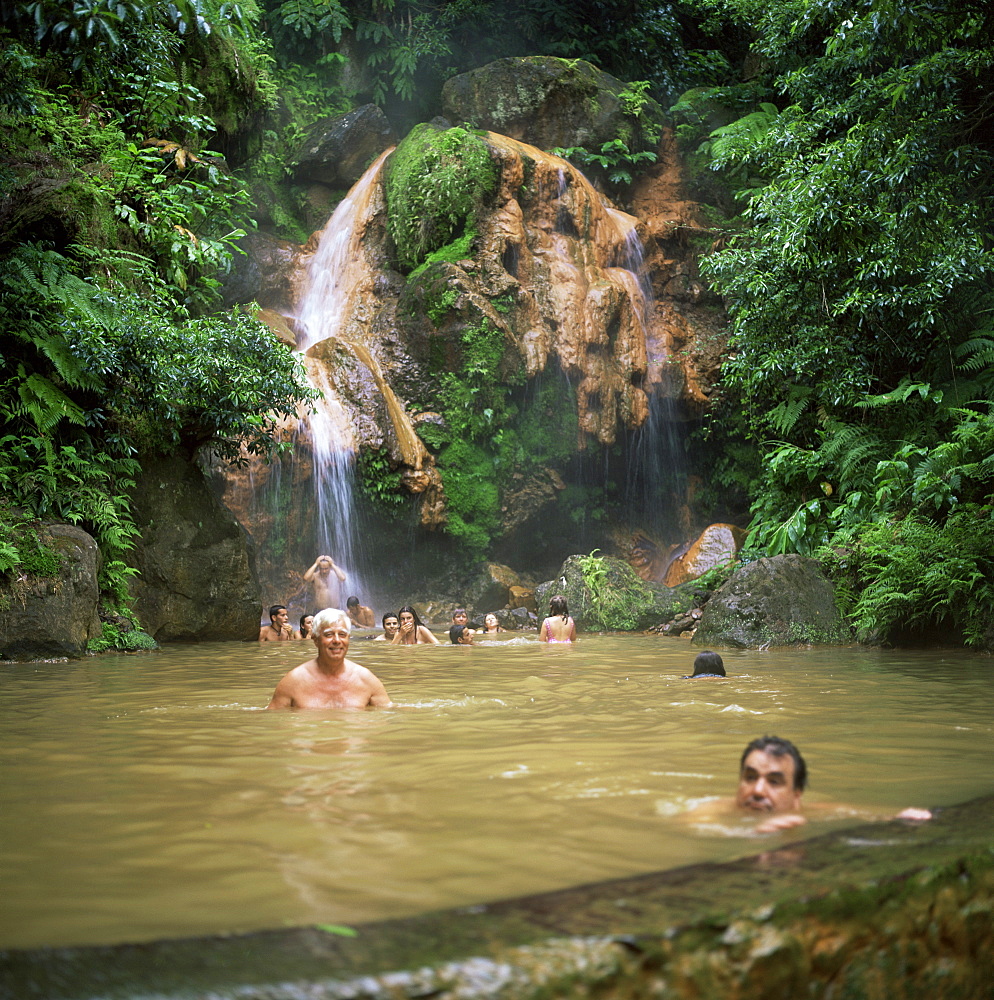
[150, 796]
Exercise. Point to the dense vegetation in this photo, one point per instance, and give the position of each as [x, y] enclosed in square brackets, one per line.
[860, 291]
[117, 221]
[136, 141]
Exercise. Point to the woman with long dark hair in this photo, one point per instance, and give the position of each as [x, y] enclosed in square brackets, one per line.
[559, 626]
[412, 631]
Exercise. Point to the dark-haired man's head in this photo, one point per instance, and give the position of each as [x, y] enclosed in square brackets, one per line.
[275, 612]
[710, 663]
[772, 776]
[460, 635]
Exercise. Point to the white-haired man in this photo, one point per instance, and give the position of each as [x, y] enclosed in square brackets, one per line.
[330, 680]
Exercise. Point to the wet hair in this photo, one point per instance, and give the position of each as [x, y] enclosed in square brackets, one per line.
[708, 663]
[275, 610]
[456, 632]
[460, 611]
[330, 616]
[410, 611]
[300, 627]
[352, 602]
[389, 614]
[558, 606]
[779, 748]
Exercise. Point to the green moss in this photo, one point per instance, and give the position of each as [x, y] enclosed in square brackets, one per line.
[129, 640]
[436, 184]
[451, 253]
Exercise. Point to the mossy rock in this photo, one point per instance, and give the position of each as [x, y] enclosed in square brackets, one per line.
[438, 182]
[550, 102]
[604, 593]
[49, 609]
[779, 601]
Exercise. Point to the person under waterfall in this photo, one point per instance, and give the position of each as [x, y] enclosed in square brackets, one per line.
[326, 589]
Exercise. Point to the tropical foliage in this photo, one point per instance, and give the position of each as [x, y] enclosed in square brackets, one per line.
[860, 294]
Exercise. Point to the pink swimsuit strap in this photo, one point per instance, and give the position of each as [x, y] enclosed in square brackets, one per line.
[548, 632]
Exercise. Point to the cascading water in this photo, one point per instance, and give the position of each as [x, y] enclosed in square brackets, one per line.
[655, 461]
[335, 277]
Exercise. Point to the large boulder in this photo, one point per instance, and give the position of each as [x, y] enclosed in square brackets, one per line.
[197, 581]
[49, 615]
[338, 149]
[491, 588]
[716, 545]
[605, 593]
[549, 102]
[778, 601]
[266, 271]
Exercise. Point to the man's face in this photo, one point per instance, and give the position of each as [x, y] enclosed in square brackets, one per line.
[332, 641]
[324, 564]
[465, 638]
[390, 625]
[280, 618]
[766, 784]
[460, 618]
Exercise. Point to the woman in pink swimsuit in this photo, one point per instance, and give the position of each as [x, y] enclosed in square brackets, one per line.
[558, 627]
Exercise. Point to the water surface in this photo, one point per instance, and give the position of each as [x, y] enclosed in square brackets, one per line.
[150, 796]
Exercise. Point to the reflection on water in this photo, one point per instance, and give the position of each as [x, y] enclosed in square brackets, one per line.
[151, 796]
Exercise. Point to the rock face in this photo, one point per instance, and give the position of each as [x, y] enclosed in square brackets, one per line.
[197, 581]
[266, 272]
[581, 313]
[779, 601]
[54, 617]
[338, 149]
[546, 102]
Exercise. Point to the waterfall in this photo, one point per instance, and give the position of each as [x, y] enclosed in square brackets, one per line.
[332, 296]
[655, 461]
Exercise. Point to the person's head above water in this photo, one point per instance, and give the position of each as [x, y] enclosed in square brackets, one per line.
[708, 664]
[459, 616]
[558, 606]
[461, 635]
[772, 776]
[408, 610]
[330, 618]
[275, 610]
[352, 602]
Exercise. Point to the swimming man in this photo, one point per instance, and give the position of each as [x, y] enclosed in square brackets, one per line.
[772, 779]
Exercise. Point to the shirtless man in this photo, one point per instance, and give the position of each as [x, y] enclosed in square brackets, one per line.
[390, 628]
[330, 680]
[327, 593]
[772, 777]
[359, 613]
[278, 629]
